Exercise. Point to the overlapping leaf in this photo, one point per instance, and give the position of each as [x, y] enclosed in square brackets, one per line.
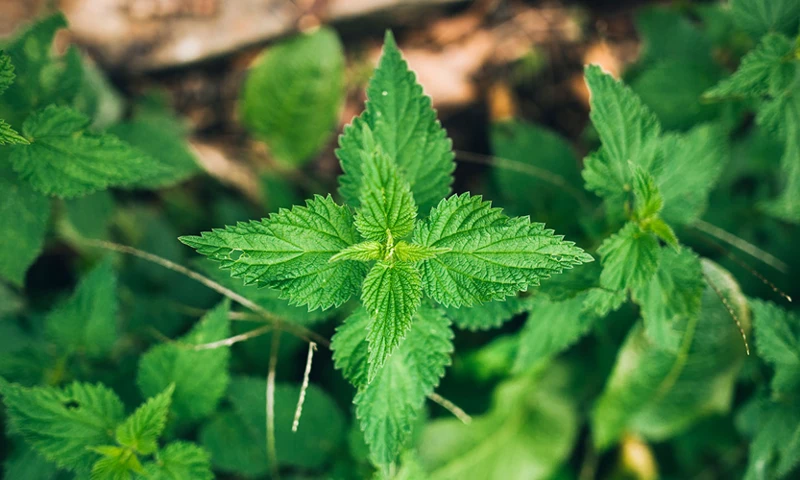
[163, 137]
[141, 430]
[761, 16]
[200, 377]
[24, 214]
[667, 391]
[292, 96]
[291, 251]
[630, 258]
[42, 79]
[388, 406]
[489, 314]
[391, 294]
[490, 256]
[66, 160]
[671, 297]
[778, 342]
[551, 327]
[236, 438]
[761, 67]
[405, 127]
[61, 424]
[526, 435]
[86, 323]
[628, 131]
[178, 461]
[386, 203]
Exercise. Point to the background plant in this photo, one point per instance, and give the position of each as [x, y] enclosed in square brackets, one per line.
[670, 349]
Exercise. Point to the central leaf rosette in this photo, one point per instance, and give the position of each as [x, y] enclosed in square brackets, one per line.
[398, 164]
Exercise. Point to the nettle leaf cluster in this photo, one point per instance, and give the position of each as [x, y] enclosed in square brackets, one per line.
[648, 345]
[83, 428]
[56, 141]
[394, 243]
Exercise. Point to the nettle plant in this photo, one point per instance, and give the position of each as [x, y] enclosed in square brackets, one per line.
[648, 345]
[397, 163]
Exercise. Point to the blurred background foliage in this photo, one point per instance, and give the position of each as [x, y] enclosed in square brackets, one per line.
[246, 123]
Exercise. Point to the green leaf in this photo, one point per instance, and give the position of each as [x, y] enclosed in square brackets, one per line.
[551, 327]
[692, 166]
[6, 71]
[389, 406]
[671, 297]
[24, 462]
[552, 168]
[24, 214]
[351, 349]
[361, 252]
[628, 130]
[41, 78]
[236, 439]
[9, 136]
[787, 205]
[66, 160]
[672, 88]
[657, 393]
[489, 314]
[61, 424]
[491, 256]
[88, 217]
[117, 463]
[268, 298]
[775, 450]
[526, 435]
[86, 323]
[648, 199]
[668, 33]
[291, 251]
[391, 293]
[411, 252]
[97, 98]
[762, 16]
[405, 127]
[387, 207]
[663, 231]
[200, 377]
[630, 257]
[778, 341]
[757, 68]
[142, 429]
[179, 461]
[163, 137]
[292, 96]
[601, 302]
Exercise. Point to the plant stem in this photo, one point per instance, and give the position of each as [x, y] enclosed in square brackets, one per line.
[299, 410]
[451, 407]
[278, 324]
[272, 453]
[741, 244]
